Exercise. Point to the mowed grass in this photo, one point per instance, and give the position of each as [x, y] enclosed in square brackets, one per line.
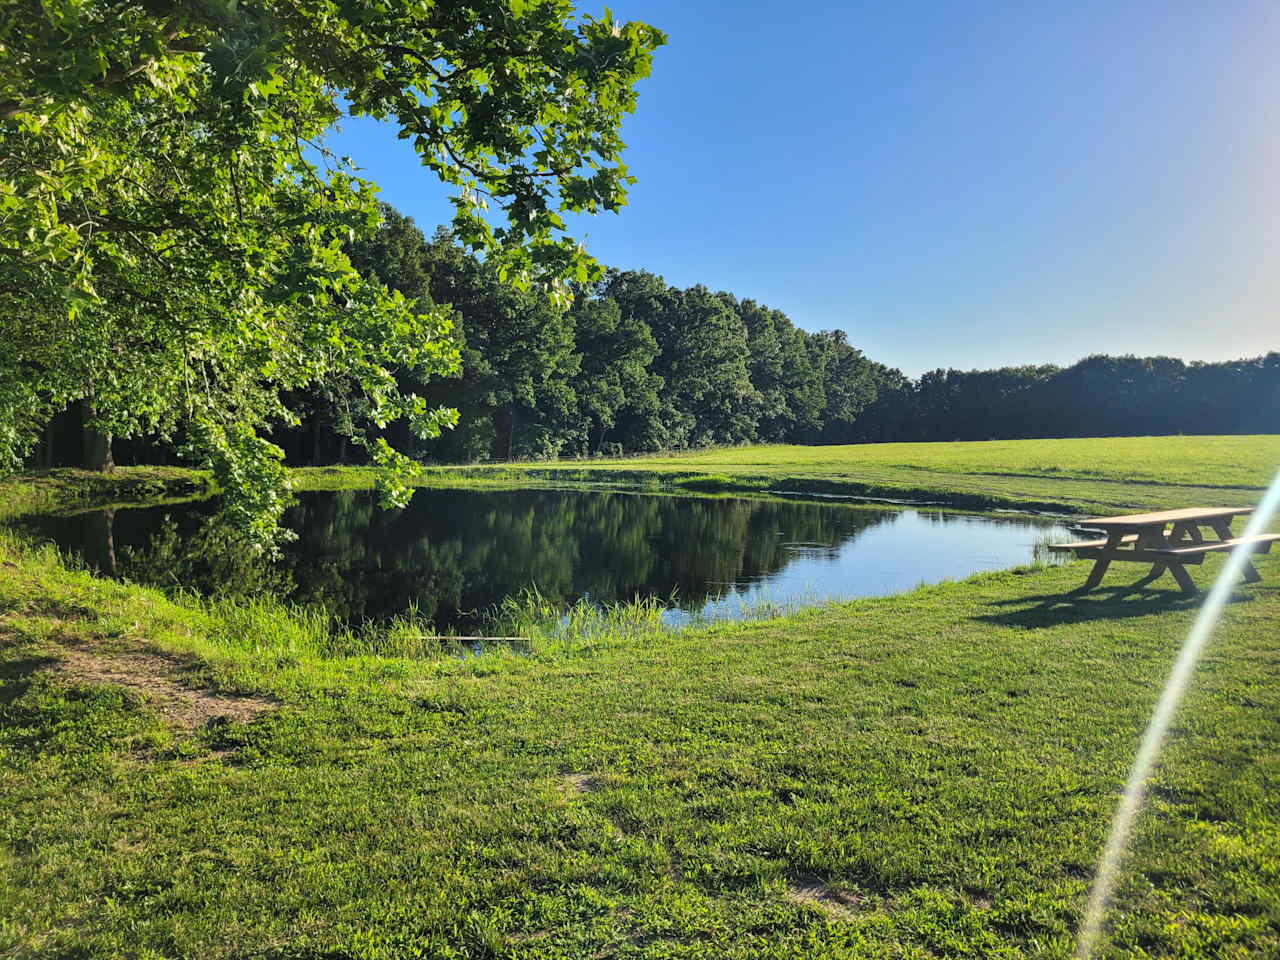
[929, 775]
[1096, 475]
[1083, 476]
[1244, 461]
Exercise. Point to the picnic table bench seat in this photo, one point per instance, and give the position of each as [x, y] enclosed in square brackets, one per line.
[1089, 544]
[1261, 543]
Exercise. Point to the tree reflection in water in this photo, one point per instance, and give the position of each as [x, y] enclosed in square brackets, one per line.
[452, 554]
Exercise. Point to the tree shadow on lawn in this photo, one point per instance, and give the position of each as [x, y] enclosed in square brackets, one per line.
[15, 676]
[1106, 603]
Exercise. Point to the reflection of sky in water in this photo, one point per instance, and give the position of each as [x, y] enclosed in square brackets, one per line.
[899, 553]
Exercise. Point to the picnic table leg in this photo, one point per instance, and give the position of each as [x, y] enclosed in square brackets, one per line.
[1095, 575]
[1223, 529]
[1157, 571]
[1155, 538]
[1180, 574]
[1100, 565]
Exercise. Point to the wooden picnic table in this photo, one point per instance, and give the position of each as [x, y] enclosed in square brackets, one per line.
[1168, 540]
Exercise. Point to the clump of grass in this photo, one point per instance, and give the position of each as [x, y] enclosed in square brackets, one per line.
[1042, 556]
[406, 635]
[735, 608]
[409, 634]
[264, 626]
[553, 627]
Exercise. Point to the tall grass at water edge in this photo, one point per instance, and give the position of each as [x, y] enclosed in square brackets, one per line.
[551, 626]
[527, 624]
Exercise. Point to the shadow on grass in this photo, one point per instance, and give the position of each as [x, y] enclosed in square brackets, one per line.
[1104, 603]
[15, 677]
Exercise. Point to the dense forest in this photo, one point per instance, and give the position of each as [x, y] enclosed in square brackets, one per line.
[629, 364]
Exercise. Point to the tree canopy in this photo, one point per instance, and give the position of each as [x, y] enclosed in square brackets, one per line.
[174, 235]
[637, 365]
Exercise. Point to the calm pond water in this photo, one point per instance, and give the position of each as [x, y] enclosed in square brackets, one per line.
[454, 553]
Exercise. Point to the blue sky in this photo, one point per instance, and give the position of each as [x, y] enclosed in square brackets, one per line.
[955, 185]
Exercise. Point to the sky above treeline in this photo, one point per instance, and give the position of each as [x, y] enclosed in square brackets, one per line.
[954, 185]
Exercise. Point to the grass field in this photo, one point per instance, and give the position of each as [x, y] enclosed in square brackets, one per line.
[927, 775]
[1074, 476]
[1078, 476]
[1191, 461]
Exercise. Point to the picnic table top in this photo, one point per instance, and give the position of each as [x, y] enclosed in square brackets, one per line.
[1166, 516]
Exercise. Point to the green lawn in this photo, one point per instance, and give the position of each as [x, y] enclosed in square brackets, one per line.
[928, 775]
[1079, 476]
[1086, 476]
[1193, 461]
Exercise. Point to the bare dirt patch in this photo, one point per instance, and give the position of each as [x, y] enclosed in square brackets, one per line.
[148, 676]
[582, 783]
[837, 904]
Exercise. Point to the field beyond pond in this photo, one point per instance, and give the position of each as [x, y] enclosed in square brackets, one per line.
[925, 775]
[1102, 475]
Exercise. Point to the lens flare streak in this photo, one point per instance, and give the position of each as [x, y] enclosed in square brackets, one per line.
[1136, 786]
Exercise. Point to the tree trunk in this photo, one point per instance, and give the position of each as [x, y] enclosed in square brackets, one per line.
[97, 446]
[44, 459]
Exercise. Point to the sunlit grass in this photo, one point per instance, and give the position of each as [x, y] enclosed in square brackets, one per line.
[1082, 476]
[924, 775]
[945, 761]
[66, 489]
[551, 628]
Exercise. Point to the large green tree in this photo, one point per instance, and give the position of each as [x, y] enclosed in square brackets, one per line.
[707, 395]
[614, 384]
[514, 387]
[642, 300]
[172, 232]
[848, 382]
[766, 334]
[704, 366]
[802, 385]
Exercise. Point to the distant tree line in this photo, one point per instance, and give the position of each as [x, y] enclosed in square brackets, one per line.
[629, 364]
[1101, 396]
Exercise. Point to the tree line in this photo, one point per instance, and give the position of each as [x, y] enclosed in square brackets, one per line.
[1100, 396]
[629, 364]
[633, 365]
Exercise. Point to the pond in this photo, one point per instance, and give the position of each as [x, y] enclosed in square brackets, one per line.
[453, 554]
